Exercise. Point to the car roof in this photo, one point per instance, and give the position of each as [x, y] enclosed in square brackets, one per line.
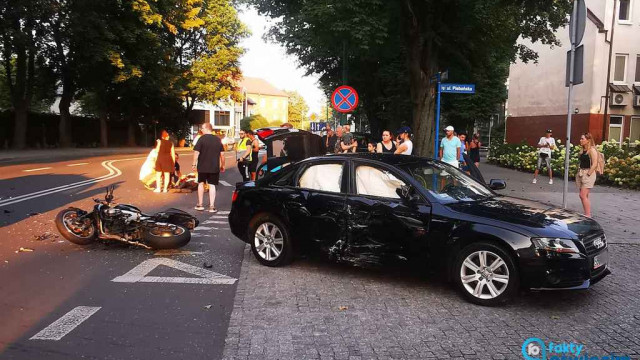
[389, 159]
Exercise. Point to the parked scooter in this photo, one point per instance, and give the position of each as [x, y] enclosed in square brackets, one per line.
[169, 229]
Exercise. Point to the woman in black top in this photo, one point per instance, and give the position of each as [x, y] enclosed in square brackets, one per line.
[165, 162]
[474, 149]
[586, 176]
[387, 145]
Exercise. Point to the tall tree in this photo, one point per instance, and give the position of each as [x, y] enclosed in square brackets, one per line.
[297, 109]
[18, 22]
[424, 36]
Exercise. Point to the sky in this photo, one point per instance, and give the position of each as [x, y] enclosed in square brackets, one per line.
[269, 61]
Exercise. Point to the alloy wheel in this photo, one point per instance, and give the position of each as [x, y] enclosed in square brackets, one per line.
[484, 274]
[269, 241]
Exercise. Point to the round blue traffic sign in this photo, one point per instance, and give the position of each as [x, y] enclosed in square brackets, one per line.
[344, 99]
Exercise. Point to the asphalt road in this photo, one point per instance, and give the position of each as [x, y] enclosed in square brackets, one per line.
[59, 301]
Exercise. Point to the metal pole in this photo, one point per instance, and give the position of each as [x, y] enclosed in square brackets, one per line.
[607, 93]
[490, 126]
[344, 69]
[569, 104]
[435, 145]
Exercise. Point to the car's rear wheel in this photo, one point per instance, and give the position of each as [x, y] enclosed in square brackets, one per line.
[270, 240]
[485, 274]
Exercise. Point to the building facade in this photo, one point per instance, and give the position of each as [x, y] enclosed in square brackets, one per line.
[538, 92]
[266, 100]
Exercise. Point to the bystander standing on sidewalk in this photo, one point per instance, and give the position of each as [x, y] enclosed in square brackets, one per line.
[346, 141]
[243, 155]
[546, 145]
[463, 150]
[450, 148]
[255, 151]
[586, 176]
[406, 148]
[165, 162]
[337, 148]
[474, 149]
[387, 145]
[208, 160]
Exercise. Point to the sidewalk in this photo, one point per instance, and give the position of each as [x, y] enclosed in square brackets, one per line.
[617, 210]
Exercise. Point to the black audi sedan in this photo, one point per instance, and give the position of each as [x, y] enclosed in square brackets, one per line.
[376, 207]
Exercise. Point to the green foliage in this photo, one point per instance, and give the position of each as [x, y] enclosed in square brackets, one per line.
[622, 162]
[297, 109]
[253, 122]
[393, 48]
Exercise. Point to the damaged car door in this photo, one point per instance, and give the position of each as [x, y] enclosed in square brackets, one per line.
[388, 220]
[317, 204]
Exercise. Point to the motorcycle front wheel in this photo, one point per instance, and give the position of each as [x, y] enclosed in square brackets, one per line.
[166, 236]
[80, 232]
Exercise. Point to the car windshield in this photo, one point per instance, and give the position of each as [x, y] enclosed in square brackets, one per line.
[446, 183]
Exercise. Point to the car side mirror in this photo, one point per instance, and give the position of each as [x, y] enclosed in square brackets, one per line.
[497, 184]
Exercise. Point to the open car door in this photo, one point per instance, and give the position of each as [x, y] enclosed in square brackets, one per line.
[286, 146]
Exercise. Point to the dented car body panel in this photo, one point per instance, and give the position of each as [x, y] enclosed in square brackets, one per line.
[426, 227]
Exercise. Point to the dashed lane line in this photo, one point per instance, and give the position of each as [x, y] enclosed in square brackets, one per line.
[61, 327]
[38, 169]
[224, 183]
[214, 222]
[78, 164]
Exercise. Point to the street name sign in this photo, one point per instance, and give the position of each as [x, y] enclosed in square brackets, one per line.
[458, 88]
[344, 99]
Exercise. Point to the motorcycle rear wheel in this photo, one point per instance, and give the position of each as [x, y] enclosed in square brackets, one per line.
[169, 236]
[80, 235]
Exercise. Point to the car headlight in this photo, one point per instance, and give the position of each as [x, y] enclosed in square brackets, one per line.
[555, 245]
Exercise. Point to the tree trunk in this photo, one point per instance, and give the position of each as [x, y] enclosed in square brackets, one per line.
[65, 117]
[131, 133]
[104, 135]
[20, 126]
[422, 63]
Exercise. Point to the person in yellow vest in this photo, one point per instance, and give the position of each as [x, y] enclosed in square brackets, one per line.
[243, 155]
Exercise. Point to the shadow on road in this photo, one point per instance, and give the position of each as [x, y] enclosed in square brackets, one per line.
[16, 212]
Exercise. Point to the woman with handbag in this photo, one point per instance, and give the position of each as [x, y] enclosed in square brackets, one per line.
[586, 176]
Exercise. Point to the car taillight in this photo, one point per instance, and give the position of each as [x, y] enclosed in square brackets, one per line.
[234, 196]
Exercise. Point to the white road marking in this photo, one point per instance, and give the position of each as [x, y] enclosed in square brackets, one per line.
[214, 222]
[61, 327]
[38, 169]
[224, 183]
[200, 235]
[113, 173]
[201, 228]
[206, 277]
[171, 252]
[219, 217]
[226, 212]
[78, 164]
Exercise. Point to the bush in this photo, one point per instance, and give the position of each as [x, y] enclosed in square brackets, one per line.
[253, 122]
[622, 167]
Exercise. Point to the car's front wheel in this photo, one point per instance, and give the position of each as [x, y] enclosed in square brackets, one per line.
[485, 274]
[270, 240]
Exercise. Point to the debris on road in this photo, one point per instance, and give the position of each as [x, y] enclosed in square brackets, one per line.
[343, 308]
[45, 236]
[33, 214]
[206, 265]
[7, 211]
[208, 307]
[24, 249]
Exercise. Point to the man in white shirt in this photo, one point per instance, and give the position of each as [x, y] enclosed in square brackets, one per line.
[545, 146]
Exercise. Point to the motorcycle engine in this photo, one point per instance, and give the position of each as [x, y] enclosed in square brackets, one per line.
[113, 220]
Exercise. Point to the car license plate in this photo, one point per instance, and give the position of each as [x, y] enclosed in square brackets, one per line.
[600, 260]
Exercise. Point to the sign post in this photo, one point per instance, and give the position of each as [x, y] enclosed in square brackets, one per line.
[452, 89]
[576, 31]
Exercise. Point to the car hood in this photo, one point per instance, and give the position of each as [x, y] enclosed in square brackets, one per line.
[531, 216]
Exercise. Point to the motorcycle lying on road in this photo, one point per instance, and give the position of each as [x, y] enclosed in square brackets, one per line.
[168, 229]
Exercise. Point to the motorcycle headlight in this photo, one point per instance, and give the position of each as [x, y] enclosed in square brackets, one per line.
[555, 245]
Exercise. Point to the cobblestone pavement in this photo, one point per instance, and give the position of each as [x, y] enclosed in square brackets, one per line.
[315, 309]
[615, 209]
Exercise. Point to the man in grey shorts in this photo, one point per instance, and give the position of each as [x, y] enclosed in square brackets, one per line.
[545, 146]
